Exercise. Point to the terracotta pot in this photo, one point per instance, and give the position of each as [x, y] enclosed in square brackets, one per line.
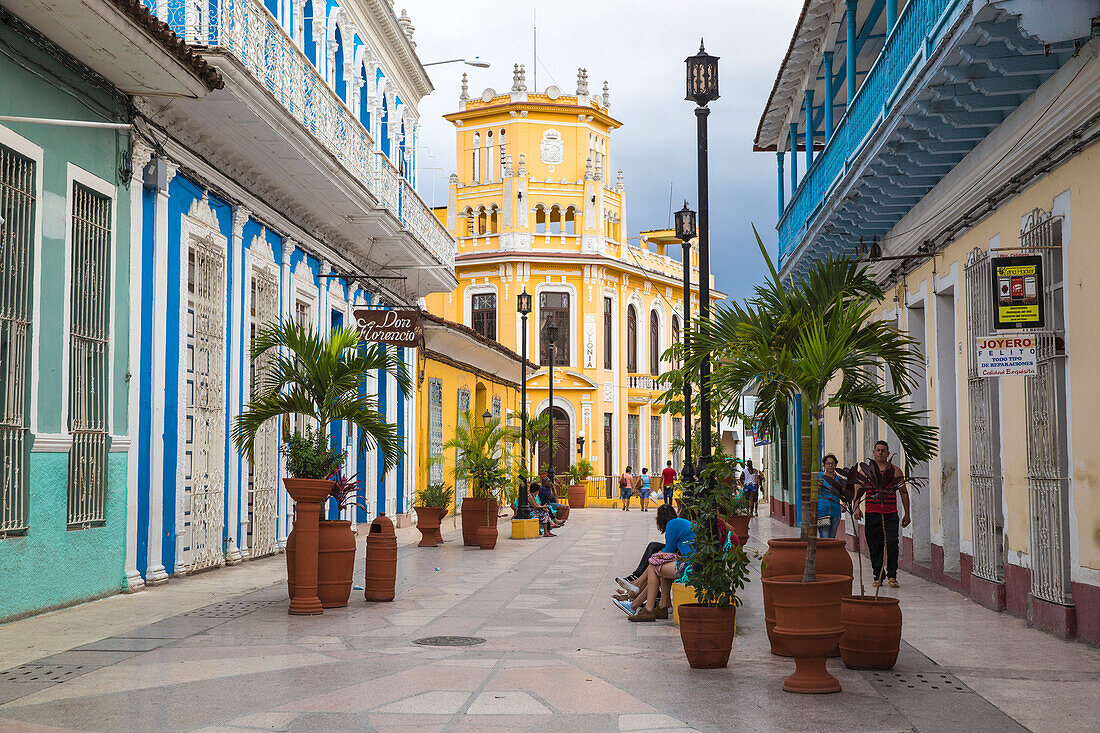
[380, 561]
[787, 556]
[308, 494]
[487, 537]
[807, 621]
[335, 562]
[707, 634]
[578, 497]
[740, 526]
[476, 513]
[427, 521]
[872, 632]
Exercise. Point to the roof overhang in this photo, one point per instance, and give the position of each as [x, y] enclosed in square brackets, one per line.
[123, 43]
[464, 345]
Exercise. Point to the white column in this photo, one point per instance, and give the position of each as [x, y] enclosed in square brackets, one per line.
[141, 155]
[236, 306]
[283, 509]
[156, 573]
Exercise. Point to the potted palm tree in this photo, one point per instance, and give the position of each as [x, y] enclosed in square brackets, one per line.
[432, 504]
[718, 568]
[813, 343]
[576, 475]
[320, 378]
[484, 462]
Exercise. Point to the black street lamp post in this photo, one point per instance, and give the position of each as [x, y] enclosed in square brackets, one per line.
[523, 307]
[685, 231]
[702, 88]
[552, 339]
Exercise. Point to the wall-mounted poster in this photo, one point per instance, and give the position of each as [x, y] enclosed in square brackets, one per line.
[1018, 292]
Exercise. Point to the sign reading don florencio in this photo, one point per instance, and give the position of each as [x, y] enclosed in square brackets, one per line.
[396, 327]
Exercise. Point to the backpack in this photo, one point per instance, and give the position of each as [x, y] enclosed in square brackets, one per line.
[622, 482]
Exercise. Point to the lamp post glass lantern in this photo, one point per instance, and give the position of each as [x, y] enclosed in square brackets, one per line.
[685, 232]
[523, 307]
[702, 88]
[486, 417]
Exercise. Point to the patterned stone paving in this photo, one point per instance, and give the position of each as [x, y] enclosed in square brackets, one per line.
[557, 656]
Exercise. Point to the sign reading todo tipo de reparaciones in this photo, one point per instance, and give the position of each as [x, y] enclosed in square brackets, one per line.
[397, 327]
[1006, 356]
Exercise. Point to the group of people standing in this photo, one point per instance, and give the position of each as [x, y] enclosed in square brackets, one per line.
[644, 486]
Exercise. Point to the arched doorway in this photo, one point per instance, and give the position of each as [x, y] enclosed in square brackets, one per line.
[561, 445]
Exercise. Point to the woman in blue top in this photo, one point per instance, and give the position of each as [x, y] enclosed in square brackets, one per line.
[828, 506]
[664, 567]
[643, 493]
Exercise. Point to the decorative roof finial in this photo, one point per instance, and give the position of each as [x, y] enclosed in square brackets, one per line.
[599, 171]
[582, 82]
[522, 78]
[588, 169]
[522, 172]
[465, 95]
[508, 166]
[515, 77]
[701, 49]
[619, 180]
[606, 97]
[407, 26]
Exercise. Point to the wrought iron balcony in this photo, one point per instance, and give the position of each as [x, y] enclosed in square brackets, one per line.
[245, 30]
[949, 73]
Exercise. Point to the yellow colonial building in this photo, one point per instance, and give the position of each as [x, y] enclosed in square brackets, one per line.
[534, 207]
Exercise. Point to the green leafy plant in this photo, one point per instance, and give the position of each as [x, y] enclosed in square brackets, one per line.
[322, 378]
[719, 568]
[484, 455]
[814, 341]
[436, 496]
[310, 455]
[579, 471]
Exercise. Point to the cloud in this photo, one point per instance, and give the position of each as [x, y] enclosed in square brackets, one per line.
[639, 48]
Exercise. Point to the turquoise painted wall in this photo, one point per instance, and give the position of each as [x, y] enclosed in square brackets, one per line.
[52, 566]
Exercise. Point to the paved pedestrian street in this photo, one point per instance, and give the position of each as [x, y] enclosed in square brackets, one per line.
[218, 652]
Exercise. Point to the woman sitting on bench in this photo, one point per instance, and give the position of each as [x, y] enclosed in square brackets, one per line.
[541, 512]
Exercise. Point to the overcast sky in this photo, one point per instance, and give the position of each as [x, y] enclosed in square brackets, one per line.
[639, 47]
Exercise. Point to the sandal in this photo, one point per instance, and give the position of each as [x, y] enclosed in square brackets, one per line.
[893, 582]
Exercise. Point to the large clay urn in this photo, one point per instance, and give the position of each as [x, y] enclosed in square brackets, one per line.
[740, 526]
[872, 632]
[308, 495]
[578, 497]
[428, 519]
[487, 537]
[787, 556]
[477, 513]
[707, 634]
[335, 562]
[807, 622]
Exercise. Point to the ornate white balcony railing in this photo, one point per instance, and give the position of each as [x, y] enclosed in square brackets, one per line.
[245, 29]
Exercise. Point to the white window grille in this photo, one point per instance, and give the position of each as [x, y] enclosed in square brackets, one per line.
[88, 377]
[655, 452]
[633, 438]
[17, 206]
[435, 430]
[678, 434]
[496, 407]
[263, 475]
[460, 484]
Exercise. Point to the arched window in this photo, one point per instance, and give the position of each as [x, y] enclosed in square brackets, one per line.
[540, 219]
[482, 221]
[554, 307]
[571, 220]
[502, 141]
[555, 219]
[631, 339]
[676, 335]
[364, 98]
[476, 159]
[484, 312]
[468, 219]
[654, 344]
[494, 220]
[608, 337]
[309, 45]
[489, 156]
[340, 84]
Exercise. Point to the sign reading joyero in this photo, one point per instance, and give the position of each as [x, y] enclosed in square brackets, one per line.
[397, 327]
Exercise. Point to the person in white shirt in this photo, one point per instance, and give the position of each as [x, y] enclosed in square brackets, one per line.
[750, 485]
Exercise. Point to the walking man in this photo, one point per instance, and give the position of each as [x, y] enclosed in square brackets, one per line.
[882, 526]
[668, 478]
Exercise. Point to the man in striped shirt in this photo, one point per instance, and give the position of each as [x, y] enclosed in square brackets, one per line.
[882, 526]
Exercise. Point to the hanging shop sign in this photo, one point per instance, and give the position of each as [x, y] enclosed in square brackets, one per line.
[1017, 292]
[1006, 356]
[762, 435]
[396, 327]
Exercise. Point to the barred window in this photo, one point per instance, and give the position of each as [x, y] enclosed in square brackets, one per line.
[655, 452]
[496, 407]
[654, 344]
[607, 333]
[631, 340]
[485, 315]
[460, 483]
[435, 430]
[88, 377]
[17, 206]
[677, 433]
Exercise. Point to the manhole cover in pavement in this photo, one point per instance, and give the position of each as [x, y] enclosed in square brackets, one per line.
[42, 673]
[228, 609]
[449, 641]
[920, 681]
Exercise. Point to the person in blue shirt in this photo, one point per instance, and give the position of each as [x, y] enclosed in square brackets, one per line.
[828, 506]
[643, 492]
[664, 567]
